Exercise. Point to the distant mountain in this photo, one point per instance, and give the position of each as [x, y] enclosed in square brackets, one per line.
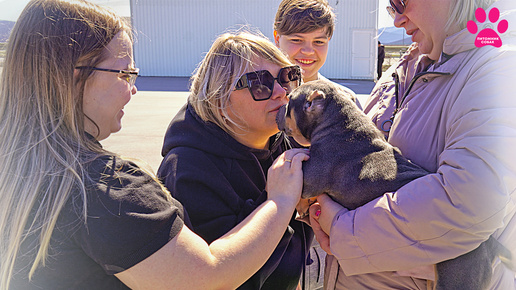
[5, 29]
[393, 36]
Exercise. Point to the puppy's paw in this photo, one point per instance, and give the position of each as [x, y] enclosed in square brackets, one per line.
[303, 207]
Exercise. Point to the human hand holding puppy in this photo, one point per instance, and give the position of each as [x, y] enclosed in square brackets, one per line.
[285, 176]
[322, 214]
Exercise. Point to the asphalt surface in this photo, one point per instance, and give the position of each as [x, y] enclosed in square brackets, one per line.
[150, 111]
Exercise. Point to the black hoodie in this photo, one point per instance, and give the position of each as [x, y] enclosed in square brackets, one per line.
[220, 182]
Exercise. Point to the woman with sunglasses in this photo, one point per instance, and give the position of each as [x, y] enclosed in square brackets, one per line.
[75, 216]
[449, 106]
[220, 145]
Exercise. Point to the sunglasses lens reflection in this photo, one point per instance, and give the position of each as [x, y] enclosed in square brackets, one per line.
[261, 84]
[398, 6]
[290, 78]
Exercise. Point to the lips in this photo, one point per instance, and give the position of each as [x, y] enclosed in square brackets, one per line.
[280, 118]
[276, 109]
[413, 34]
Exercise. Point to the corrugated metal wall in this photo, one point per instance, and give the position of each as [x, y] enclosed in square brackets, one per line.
[353, 16]
[172, 36]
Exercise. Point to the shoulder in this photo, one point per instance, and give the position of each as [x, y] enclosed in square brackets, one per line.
[188, 162]
[187, 156]
[343, 88]
[112, 180]
[130, 215]
[112, 168]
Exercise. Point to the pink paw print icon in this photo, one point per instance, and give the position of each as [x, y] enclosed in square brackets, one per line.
[488, 36]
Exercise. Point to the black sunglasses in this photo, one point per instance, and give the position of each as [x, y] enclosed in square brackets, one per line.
[261, 83]
[397, 6]
[127, 75]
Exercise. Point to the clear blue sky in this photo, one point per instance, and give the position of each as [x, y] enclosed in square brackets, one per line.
[11, 9]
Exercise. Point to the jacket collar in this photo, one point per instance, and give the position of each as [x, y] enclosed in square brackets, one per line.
[455, 50]
[457, 43]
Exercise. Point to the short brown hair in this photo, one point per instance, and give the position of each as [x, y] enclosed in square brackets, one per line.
[302, 16]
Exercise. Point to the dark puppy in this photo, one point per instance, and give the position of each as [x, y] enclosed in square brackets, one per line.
[351, 162]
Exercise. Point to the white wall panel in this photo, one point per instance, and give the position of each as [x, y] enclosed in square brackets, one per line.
[352, 15]
[172, 36]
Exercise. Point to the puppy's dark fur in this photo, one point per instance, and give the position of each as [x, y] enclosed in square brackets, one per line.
[351, 162]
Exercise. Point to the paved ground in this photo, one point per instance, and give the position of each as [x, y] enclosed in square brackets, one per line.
[148, 114]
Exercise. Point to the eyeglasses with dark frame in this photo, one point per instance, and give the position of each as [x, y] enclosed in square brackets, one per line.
[397, 6]
[261, 83]
[127, 75]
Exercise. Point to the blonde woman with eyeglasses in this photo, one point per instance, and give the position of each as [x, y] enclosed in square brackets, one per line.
[75, 216]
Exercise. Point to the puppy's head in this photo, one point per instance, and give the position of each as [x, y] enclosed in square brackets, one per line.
[304, 111]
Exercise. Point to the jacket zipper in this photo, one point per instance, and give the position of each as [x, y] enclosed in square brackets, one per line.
[396, 95]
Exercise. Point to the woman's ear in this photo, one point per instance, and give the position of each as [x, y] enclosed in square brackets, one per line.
[75, 73]
[315, 102]
[276, 38]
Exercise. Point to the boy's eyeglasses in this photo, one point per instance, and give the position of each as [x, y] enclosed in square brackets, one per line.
[397, 6]
[127, 75]
[261, 83]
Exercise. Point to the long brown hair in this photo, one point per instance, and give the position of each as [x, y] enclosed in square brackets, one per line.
[41, 118]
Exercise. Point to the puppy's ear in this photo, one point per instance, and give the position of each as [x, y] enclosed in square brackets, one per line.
[315, 102]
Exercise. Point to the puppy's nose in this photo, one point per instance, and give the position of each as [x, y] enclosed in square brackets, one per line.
[280, 118]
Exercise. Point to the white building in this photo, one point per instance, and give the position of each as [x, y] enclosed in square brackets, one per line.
[172, 36]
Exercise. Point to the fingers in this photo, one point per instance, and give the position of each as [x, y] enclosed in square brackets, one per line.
[315, 211]
[320, 235]
[291, 159]
[328, 210]
[285, 176]
[297, 160]
[287, 156]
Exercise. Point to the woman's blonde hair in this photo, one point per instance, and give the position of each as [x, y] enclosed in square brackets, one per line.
[230, 56]
[464, 10]
[41, 119]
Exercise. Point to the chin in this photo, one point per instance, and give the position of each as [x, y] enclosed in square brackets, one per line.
[116, 130]
[429, 51]
[103, 137]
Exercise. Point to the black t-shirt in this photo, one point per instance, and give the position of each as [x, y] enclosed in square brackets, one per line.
[129, 218]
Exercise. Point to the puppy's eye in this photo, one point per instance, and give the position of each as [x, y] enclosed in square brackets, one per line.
[307, 105]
